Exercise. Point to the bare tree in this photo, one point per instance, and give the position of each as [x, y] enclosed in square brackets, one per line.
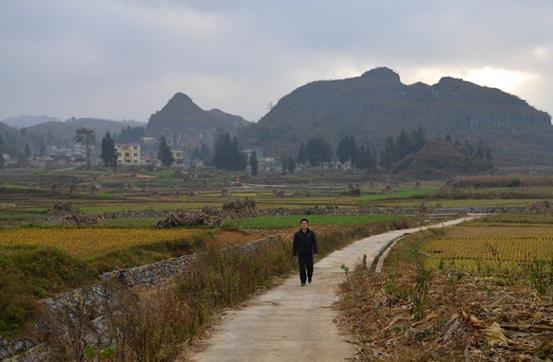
[87, 138]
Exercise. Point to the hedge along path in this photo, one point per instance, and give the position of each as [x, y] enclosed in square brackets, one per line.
[293, 323]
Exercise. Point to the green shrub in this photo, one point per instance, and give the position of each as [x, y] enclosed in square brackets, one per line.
[28, 273]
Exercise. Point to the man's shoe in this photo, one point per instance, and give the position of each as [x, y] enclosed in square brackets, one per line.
[309, 280]
[303, 284]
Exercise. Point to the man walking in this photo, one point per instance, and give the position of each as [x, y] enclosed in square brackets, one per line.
[305, 245]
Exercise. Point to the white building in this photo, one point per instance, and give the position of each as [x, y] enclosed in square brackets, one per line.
[58, 150]
[148, 140]
[178, 158]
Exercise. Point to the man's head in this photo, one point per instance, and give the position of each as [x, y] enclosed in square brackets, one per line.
[304, 224]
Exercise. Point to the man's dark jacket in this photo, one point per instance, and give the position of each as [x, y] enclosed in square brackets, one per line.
[305, 242]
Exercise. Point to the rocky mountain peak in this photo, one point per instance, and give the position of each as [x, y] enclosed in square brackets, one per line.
[382, 74]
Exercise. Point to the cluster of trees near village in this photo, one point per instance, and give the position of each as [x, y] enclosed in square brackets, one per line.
[315, 152]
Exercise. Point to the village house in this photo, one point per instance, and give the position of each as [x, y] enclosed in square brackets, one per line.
[178, 157]
[128, 154]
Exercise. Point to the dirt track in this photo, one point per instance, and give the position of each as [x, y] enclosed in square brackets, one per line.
[293, 323]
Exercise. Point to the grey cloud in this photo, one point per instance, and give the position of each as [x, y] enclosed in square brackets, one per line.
[124, 58]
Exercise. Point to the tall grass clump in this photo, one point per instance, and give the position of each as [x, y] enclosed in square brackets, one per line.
[540, 274]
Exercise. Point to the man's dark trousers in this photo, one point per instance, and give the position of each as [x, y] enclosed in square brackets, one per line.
[306, 264]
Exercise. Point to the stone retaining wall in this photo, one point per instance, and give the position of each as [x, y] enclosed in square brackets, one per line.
[332, 210]
[151, 275]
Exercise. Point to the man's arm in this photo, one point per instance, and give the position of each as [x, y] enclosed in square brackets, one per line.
[295, 246]
[315, 248]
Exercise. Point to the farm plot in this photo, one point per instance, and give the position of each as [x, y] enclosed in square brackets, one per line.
[88, 242]
[476, 247]
[290, 221]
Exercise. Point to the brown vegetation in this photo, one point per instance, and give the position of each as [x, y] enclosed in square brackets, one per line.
[190, 218]
[83, 220]
[240, 208]
[410, 312]
[499, 181]
[62, 207]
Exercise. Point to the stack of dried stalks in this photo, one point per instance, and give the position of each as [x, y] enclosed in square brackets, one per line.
[83, 220]
[190, 218]
[240, 208]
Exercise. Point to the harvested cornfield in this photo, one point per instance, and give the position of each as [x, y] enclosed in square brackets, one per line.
[475, 292]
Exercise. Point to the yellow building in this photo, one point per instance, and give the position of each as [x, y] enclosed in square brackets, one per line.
[128, 154]
[178, 157]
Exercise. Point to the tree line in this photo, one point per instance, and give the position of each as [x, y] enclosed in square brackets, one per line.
[403, 145]
[317, 151]
[227, 154]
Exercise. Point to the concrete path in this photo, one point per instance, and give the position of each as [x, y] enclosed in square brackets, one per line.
[293, 323]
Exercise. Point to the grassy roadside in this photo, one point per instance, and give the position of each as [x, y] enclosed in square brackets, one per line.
[223, 281]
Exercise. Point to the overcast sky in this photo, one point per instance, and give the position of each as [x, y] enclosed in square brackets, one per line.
[123, 59]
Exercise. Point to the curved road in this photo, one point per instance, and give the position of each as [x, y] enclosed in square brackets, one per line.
[291, 323]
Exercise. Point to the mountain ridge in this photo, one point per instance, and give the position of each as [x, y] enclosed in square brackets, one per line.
[377, 104]
[27, 120]
[181, 114]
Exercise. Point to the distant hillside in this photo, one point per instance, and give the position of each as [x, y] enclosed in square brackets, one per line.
[104, 124]
[182, 115]
[64, 132]
[27, 121]
[4, 128]
[377, 104]
[439, 158]
[54, 132]
[12, 138]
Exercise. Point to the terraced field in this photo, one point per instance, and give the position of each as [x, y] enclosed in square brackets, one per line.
[507, 246]
[86, 242]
